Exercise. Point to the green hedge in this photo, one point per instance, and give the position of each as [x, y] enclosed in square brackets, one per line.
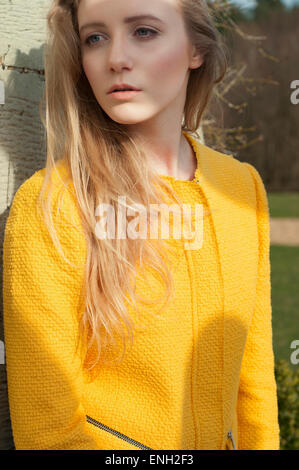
[287, 381]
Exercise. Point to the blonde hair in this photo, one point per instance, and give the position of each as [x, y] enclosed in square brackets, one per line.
[94, 146]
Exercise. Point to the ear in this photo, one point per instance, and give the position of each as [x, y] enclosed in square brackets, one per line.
[196, 59]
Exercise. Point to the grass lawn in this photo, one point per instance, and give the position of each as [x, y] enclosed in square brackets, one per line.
[285, 300]
[283, 204]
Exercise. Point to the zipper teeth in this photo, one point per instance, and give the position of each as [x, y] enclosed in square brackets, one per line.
[230, 434]
[116, 433]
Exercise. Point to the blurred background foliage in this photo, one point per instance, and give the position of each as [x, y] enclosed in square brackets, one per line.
[261, 122]
[287, 381]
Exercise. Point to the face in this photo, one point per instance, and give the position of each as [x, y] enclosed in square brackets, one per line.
[152, 55]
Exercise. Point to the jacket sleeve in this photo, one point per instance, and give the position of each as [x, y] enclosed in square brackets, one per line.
[257, 406]
[41, 304]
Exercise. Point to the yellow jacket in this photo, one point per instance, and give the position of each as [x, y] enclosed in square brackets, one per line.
[199, 377]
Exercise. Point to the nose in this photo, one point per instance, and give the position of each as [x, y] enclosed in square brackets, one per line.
[119, 54]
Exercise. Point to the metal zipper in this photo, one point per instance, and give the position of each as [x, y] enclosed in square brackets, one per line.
[116, 433]
[230, 435]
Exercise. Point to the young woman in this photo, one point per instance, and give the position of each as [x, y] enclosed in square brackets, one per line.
[199, 370]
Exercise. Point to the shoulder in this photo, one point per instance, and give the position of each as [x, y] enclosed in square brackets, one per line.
[228, 162]
[26, 199]
[26, 224]
[241, 177]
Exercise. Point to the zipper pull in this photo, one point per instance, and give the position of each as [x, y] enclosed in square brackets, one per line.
[230, 435]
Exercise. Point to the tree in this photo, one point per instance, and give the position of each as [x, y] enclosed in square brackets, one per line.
[264, 7]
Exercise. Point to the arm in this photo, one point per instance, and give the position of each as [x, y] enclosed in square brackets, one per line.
[41, 305]
[257, 407]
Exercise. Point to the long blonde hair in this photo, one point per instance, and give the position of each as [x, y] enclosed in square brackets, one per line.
[94, 146]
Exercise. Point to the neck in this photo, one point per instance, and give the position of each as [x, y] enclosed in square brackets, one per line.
[170, 155]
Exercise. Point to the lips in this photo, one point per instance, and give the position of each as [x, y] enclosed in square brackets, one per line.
[124, 95]
[122, 87]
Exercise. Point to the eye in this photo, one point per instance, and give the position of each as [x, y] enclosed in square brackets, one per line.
[152, 31]
[87, 40]
[92, 43]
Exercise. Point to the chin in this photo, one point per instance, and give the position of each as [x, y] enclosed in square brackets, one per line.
[123, 121]
[128, 118]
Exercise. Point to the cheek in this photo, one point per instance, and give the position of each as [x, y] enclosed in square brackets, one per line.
[90, 69]
[170, 64]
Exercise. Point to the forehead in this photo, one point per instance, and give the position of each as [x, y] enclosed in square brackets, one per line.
[120, 9]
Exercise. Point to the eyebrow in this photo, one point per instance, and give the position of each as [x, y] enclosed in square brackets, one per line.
[129, 19]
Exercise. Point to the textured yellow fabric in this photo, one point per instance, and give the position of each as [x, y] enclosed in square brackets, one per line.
[203, 368]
